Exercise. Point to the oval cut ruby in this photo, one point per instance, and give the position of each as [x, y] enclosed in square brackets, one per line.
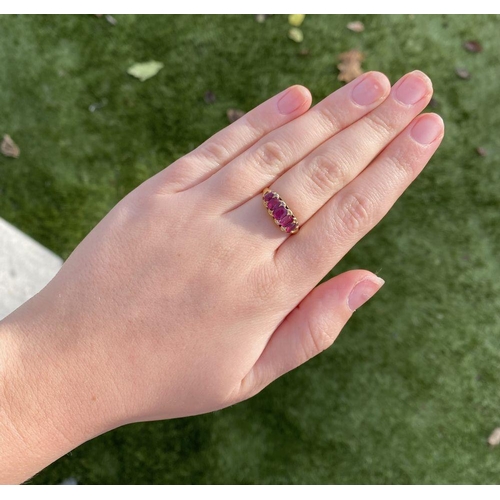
[286, 220]
[273, 203]
[268, 196]
[279, 213]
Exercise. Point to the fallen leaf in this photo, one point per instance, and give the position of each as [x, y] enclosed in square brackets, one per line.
[462, 73]
[70, 481]
[494, 439]
[234, 114]
[146, 70]
[296, 35]
[111, 20]
[473, 46]
[350, 65]
[481, 151]
[296, 19]
[209, 97]
[97, 105]
[356, 26]
[9, 147]
[261, 18]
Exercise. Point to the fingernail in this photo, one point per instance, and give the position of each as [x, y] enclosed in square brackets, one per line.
[427, 129]
[291, 101]
[367, 91]
[413, 87]
[363, 291]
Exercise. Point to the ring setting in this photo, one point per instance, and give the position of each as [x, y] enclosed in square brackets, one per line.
[280, 212]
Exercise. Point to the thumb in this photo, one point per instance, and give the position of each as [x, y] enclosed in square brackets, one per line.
[312, 326]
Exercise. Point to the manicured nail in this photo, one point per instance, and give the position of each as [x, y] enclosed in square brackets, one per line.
[291, 101]
[367, 91]
[427, 129]
[413, 87]
[363, 291]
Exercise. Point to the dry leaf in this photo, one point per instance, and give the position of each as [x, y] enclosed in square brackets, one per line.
[209, 97]
[296, 35]
[356, 26]
[98, 105]
[473, 46]
[145, 71]
[462, 73]
[494, 439]
[350, 65]
[111, 20]
[296, 19]
[481, 151]
[70, 481]
[234, 114]
[261, 18]
[9, 147]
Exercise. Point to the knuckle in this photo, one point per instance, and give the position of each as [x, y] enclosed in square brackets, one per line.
[173, 178]
[380, 125]
[319, 338]
[326, 174]
[329, 117]
[254, 126]
[214, 151]
[271, 153]
[402, 165]
[354, 212]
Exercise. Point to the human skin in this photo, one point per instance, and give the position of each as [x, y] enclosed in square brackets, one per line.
[187, 298]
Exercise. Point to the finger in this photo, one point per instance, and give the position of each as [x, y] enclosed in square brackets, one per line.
[261, 164]
[357, 208]
[307, 186]
[311, 327]
[230, 142]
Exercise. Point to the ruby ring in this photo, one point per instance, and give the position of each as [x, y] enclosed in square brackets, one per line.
[280, 212]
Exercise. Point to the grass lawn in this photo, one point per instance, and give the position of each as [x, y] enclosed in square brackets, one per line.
[410, 391]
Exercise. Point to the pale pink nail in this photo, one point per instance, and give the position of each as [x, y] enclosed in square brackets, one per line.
[427, 129]
[291, 101]
[367, 91]
[363, 291]
[413, 87]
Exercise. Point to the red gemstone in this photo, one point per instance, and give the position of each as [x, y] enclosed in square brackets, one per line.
[279, 213]
[273, 203]
[268, 196]
[286, 220]
[290, 227]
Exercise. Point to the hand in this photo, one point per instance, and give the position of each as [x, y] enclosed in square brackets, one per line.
[187, 298]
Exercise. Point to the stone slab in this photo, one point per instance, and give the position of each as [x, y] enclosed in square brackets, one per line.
[25, 267]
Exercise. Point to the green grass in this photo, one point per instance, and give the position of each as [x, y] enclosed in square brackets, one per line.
[410, 391]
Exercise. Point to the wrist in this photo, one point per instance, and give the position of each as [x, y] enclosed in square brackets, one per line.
[51, 400]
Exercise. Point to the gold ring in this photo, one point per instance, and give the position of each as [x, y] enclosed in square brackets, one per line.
[280, 212]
